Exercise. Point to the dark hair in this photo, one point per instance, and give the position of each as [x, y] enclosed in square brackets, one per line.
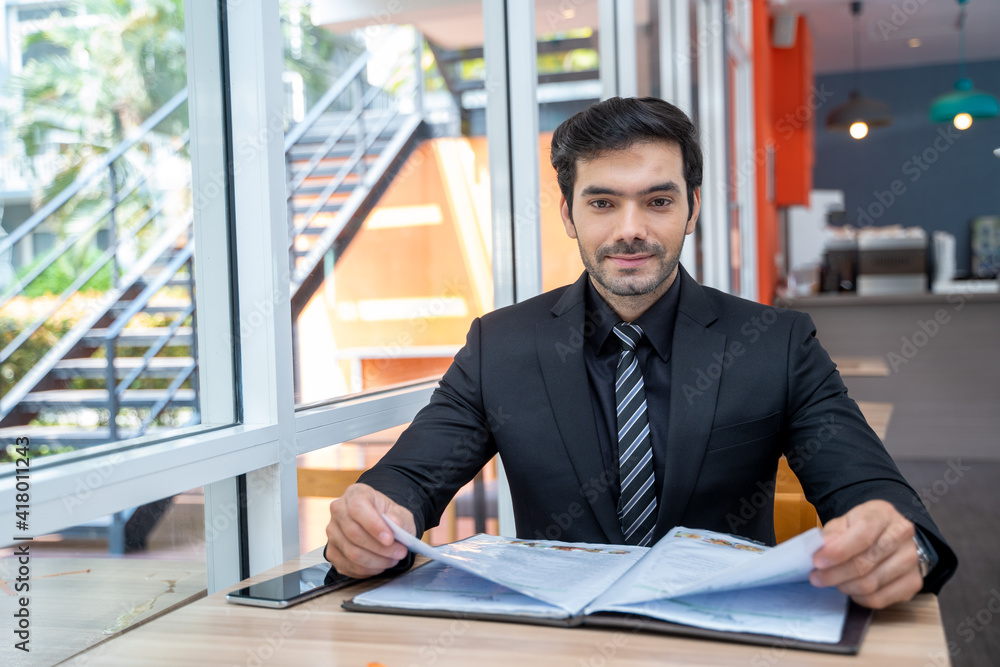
[616, 124]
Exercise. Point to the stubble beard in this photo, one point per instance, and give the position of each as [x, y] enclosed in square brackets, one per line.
[626, 283]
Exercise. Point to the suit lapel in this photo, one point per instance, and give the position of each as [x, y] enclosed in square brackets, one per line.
[559, 343]
[692, 403]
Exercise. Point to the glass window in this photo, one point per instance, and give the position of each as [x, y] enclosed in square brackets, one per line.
[98, 327]
[568, 82]
[390, 239]
[325, 473]
[99, 578]
[647, 46]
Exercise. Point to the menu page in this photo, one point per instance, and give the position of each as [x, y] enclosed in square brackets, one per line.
[688, 561]
[438, 586]
[565, 574]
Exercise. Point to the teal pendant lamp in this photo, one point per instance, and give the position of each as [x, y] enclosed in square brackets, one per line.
[858, 113]
[964, 103]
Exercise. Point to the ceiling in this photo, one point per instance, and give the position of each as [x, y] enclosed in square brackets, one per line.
[886, 26]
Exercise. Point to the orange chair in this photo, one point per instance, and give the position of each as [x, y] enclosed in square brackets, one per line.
[793, 514]
[327, 483]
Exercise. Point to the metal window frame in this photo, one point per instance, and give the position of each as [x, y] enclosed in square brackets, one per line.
[740, 43]
[710, 40]
[675, 84]
[512, 138]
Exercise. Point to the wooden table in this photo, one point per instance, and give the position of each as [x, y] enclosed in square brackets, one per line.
[214, 632]
[862, 366]
[78, 602]
[877, 415]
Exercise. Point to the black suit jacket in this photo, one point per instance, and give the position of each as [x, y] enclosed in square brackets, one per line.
[748, 383]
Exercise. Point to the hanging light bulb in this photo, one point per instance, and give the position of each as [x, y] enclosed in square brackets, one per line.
[858, 113]
[963, 103]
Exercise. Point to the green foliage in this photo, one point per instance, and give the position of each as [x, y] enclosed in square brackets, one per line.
[113, 66]
[33, 349]
[49, 334]
[317, 54]
[9, 453]
[61, 274]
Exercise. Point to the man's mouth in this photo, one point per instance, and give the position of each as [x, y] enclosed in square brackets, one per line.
[628, 261]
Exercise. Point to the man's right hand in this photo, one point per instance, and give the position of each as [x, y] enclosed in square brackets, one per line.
[359, 542]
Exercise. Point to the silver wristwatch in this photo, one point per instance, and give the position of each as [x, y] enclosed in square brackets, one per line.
[923, 560]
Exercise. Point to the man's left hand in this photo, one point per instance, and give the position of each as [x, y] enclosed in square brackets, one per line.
[870, 555]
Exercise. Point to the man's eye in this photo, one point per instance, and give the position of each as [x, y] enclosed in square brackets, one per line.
[661, 201]
[600, 203]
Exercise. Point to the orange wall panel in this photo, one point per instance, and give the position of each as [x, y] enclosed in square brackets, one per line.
[792, 95]
[404, 262]
[561, 263]
[767, 214]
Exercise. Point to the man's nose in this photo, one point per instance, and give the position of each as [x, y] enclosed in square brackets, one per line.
[631, 223]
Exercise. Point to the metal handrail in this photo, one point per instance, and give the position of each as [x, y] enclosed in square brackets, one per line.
[329, 97]
[141, 301]
[163, 243]
[117, 390]
[154, 349]
[60, 249]
[353, 115]
[331, 232]
[172, 390]
[342, 173]
[92, 172]
[65, 296]
[372, 100]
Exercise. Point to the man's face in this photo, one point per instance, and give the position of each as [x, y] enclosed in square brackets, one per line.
[630, 216]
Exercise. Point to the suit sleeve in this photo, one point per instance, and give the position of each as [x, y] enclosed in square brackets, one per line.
[836, 455]
[447, 443]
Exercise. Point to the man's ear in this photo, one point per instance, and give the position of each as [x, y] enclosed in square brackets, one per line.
[695, 210]
[567, 220]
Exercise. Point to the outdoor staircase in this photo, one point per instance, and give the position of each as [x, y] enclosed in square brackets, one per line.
[339, 160]
[113, 375]
[336, 187]
[70, 383]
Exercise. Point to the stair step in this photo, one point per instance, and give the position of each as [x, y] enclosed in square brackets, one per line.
[303, 151]
[335, 118]
[352, 179]
[302, 209]
[96, 367]
[327, 125]
[311, 231]
[316, 190]
[316, 137]
[69, 399]
[328, 166]
[139, 336]
[159, 307]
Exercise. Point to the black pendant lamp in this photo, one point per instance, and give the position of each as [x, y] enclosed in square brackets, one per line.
[858, 113]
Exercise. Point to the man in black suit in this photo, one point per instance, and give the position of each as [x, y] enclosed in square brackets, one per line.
[635, 400]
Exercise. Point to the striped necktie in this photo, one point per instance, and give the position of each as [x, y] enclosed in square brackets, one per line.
[637, 503]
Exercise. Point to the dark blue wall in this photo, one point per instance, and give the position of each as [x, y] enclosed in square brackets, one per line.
[945, 177]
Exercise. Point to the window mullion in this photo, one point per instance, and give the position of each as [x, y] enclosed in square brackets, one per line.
[265, 322]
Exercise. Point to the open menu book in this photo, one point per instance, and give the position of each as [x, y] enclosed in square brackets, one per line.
[693, 582]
